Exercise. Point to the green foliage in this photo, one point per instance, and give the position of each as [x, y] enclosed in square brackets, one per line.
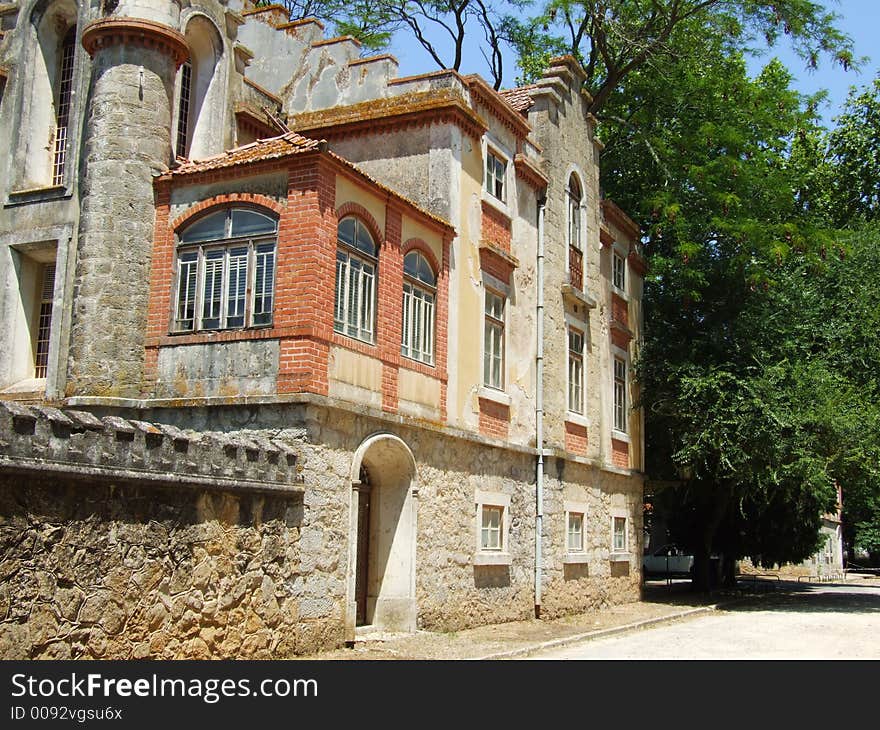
[615, 38]
[854, 157]
[765, 421]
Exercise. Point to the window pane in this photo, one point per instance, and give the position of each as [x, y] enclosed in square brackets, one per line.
[264, 283]
[236, 289]
[213, 290]
[620, 415]
[363, 239]
[187, 266]
[619, 538]
[575, 532]
[345, 232]
[340, 308]
[417, 266]
[491, 529]
[249, 223]
[406, 335]
[210, 228]
[618, 272]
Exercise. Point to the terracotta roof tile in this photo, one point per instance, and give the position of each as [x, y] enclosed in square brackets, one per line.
[519, 98]
[285, 145]
[288, 145]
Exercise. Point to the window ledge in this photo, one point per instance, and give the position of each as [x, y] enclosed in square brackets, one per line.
[496, 396]
[620, 557]
[620, 292]
[620, 436]
[577, 296]
[492, 559]
[578, 419]
[37, 195]
[575, 559]
[495, 203]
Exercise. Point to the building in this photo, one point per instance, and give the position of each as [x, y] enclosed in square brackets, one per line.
[295, 347]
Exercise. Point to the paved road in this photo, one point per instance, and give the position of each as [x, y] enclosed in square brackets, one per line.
[827, 622]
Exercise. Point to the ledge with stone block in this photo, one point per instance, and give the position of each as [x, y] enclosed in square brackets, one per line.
[77, 445]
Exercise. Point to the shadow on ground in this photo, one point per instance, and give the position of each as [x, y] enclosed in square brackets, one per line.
[802, 598]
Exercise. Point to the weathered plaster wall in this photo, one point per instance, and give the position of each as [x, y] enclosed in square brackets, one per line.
[565, 135]
[218, 369]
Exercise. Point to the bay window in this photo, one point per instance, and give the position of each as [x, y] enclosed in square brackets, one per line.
[226, 271]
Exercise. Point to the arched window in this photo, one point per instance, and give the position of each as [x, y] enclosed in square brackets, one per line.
[198, 90]
[574, 196]
[354, 311]
[226, 271]
[419, 294]
[47, 112]
[62, 106]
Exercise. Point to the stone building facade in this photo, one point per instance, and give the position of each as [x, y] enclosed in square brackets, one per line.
[294, 347]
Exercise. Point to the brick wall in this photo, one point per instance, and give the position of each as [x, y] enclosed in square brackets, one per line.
[576, 438]
[620, 453]
[495, 227]
[494, 419]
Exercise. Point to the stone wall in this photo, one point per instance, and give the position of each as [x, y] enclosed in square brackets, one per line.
[128, 572]
[120, 562]
[125, 539]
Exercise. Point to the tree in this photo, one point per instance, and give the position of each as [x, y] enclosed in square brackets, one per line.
[854, 158]
[616, 38]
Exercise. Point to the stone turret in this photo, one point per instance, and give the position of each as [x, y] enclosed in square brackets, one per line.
[136, 50]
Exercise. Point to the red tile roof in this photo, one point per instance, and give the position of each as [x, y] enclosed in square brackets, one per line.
[519, 98]
[285, 145]
[288, 145]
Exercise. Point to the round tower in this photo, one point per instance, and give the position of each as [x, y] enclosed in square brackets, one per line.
[136, 50]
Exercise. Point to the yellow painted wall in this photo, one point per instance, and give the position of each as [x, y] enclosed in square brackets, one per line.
[349, 192]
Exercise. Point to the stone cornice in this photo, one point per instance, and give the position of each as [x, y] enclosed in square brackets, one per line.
[620, 219]
[395, 113]
[108, 32]
[529, 172]
[498, 105]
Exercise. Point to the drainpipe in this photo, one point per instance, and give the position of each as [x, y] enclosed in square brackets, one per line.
[539, 411]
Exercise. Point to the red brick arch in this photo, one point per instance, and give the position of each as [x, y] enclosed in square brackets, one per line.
[358, 211]
[225, 200]
[417, 244]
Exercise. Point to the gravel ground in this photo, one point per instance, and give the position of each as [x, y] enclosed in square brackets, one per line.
[811, 622]
[660, 603]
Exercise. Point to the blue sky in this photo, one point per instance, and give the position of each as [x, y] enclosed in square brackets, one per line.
[860, 19]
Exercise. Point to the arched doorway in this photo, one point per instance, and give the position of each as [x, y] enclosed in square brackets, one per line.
[382, 537]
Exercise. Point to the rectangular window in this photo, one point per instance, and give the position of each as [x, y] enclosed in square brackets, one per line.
[492, 525]
[575, 531]
[41, 349]
[183, 108]
[575, 370]
[493, 341]
[418, 323]
[62, 117]
[491, 532]
[618, 535]
[225, 287]
[495, 173]
[355, 295]
[618, 271]
[620, 395]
